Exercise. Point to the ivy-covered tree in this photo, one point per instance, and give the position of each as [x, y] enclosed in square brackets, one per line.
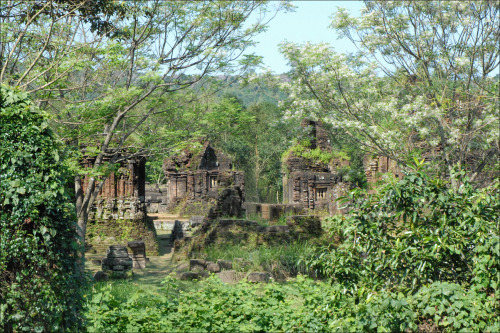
[40, 278]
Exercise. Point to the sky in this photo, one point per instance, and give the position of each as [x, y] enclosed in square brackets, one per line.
[309, 23]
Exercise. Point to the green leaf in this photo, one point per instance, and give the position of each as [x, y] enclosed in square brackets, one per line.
[43, 229]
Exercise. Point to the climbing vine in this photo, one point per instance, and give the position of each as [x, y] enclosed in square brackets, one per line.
[40, 278]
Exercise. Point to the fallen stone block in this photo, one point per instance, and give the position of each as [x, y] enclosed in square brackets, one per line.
[230, 276]
[213, 268]
[189, 276]
[197, 265]
[258, 277]
[182, 267]
[225, 264]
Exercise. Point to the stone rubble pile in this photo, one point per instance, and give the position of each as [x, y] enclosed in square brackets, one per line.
[201, 268]
[117, 261]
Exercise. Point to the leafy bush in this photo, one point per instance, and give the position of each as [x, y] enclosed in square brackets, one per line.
[39, 277]
[215, 306]
[450, 307]
[299, 305]
[414, 232]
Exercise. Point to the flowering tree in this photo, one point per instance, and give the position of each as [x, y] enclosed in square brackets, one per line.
[421, 85]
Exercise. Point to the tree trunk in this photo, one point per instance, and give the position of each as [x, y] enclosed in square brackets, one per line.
[257, 172]
[81, 218]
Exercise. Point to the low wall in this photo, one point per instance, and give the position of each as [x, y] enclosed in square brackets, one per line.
[272, 212]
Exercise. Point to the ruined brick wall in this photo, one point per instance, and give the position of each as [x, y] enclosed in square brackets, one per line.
[195, 180]
[127, 181]
[313, 184]
[119, 213]
[314, 190]
[375, 166]
[318, 136]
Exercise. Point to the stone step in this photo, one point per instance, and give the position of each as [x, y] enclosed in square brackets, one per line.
[160, 216]
[169, 225]
[170, 221]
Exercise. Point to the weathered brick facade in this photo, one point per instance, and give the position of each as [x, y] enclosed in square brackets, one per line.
[119, 215]
[195, 180]
[375, 166]
[313, 184]
[128, 181]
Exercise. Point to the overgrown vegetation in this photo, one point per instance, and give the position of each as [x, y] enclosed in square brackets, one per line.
[303, 149]
[281, 261]
[40, 281]
[417, 255]
[413, 232]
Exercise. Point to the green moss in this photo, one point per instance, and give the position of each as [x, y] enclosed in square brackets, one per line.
[196, 208]
[101, 234]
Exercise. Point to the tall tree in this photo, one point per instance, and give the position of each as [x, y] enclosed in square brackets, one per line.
[422, 84]
[103, 81]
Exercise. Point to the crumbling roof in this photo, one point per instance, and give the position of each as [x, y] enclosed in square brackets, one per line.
[207, 158]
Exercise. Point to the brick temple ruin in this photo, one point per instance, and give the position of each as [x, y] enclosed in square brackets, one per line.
[195, 181]
[127, 181]
[313, 184]
[376, 166]
[203, 184]
[119, 213]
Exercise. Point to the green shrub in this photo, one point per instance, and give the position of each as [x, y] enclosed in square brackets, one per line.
[452, 308]
[215, 307]
[302, 305]
[39, 277]
[414, 232]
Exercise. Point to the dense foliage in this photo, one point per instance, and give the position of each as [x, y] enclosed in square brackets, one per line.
[414, 232]
[299, 305]
[39, 277]
[417, 255]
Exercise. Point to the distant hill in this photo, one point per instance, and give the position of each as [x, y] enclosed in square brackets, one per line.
[250, 93]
